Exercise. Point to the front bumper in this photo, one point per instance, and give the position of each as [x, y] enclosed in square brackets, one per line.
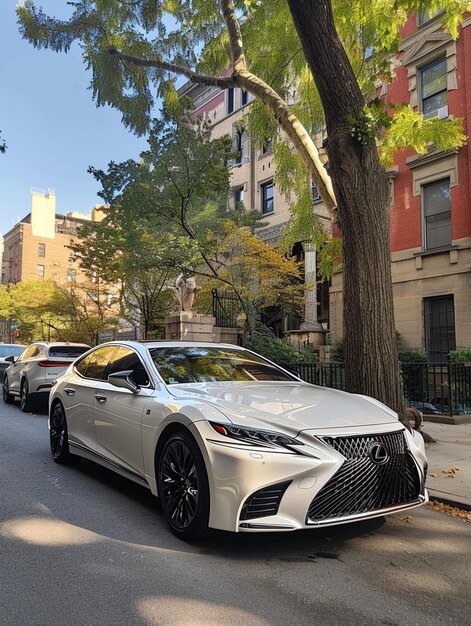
[283, 486]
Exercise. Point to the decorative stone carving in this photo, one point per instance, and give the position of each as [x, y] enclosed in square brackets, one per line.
[185, 291]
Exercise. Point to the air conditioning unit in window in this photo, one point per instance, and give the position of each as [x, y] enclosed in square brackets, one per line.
[442, 112]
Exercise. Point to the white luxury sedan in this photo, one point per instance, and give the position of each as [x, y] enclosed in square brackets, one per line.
[229, 440]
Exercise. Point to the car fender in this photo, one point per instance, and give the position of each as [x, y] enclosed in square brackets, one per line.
[154, 425]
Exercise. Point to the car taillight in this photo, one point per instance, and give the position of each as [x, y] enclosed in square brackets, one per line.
[54, 363]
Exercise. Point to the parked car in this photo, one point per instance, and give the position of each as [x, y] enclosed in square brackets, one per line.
[229, 440]
[6, 350]
[427, 408]
[34, 372]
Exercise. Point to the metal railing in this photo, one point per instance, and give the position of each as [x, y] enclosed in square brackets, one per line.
[433, 388]
[226, 308]
[331, 375]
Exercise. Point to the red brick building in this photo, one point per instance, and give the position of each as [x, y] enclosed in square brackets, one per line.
[430, 197]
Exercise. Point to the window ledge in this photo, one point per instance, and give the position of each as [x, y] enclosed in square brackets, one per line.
[435, 251]
[268, 213]
[418, 160]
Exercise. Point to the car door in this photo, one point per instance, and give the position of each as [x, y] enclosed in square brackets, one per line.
[79, 395]
[118, 412]
[16, 369]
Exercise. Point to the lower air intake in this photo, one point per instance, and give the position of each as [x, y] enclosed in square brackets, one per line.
[264, 502]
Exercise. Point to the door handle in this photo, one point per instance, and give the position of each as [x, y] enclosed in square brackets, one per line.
[100, 397]
[69, 391]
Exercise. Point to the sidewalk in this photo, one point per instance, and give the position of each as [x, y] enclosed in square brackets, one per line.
[449, 470]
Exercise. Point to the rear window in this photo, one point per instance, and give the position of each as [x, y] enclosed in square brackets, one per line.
[67, 351]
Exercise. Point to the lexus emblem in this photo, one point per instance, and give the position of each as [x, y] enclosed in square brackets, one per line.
[378, 453]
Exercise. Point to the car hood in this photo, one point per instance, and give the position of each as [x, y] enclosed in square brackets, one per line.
[291, 406]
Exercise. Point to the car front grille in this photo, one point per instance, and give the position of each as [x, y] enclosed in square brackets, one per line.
[362, 484]
[264, 502]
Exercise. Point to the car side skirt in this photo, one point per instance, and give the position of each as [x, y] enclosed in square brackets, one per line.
[96, 457]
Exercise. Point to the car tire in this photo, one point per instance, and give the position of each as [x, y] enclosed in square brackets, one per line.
[26, 401]
[183, 487]
[59, 435]
[7, 396]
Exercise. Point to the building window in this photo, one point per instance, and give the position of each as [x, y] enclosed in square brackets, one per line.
[40, 271]
[240, 145]
[42, 249]
[71, 276]
[238, 197]
[267, 197]
[437, 214]
[315, 195]
[434, 89]
[71, 257]
[425, 16]
[244, 97]
[267, 147]
[230, 100]
[439, 322]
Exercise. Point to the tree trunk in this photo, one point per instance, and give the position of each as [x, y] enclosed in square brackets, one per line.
[361, 189]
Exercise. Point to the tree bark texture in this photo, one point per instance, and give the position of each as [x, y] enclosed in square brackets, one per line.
[361, 189]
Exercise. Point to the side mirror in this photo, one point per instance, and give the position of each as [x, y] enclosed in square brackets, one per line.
[123, 380]
[11, 359]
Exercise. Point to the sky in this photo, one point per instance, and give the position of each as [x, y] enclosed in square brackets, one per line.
[51, 125]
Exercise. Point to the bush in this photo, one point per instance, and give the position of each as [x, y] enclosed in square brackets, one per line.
[413, 355]
[277, 350]
[337, 353]
[460, 355]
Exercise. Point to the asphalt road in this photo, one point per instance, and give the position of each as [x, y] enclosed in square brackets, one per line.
[80, 546]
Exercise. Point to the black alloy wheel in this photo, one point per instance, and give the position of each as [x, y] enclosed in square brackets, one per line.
[26, 403]
[58, 435]
[7, 397]
[183, 487]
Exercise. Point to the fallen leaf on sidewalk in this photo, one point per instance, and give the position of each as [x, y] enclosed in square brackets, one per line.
[407, 519]
[448, 473]
[450, 510]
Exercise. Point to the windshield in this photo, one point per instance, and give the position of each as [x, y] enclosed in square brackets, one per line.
[11, 350]
[202, 365]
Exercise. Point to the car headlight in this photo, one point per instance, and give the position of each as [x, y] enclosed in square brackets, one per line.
[251, 436]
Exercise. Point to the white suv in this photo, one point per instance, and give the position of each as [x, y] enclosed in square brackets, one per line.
[6, 350]
[34, 373]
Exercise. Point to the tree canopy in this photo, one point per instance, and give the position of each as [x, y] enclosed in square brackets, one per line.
[304, 85]
[167, 214]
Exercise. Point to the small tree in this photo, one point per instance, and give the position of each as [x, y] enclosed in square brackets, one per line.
[38, 309]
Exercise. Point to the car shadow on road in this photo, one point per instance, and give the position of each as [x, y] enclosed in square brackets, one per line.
[132, 499]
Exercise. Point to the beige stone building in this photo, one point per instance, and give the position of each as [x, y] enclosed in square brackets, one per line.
[253, 183]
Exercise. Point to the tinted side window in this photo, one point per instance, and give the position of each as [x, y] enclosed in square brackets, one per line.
[30, 353]
[95, 364]
[126, 359]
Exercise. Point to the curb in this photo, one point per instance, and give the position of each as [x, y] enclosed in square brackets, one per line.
[446, 419]
[446, 498]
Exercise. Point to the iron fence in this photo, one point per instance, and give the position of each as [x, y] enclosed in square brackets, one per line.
[433, 388]
[331, 375]
[226, 308]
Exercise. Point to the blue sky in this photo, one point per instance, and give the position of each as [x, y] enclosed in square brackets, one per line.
[51, 125]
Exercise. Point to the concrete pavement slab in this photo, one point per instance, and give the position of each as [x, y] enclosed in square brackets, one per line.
[449, 472]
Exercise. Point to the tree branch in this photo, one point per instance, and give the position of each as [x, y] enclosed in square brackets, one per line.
[202, 79]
